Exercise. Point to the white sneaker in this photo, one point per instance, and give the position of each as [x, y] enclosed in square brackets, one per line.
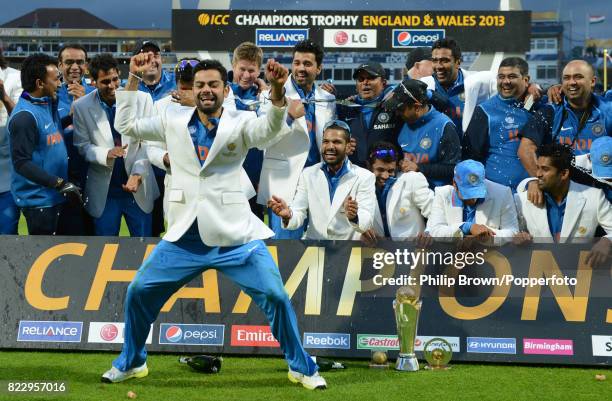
[313, 382]
[114, 375]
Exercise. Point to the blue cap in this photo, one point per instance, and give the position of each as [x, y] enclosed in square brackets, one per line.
[469, 177]
[601, 157]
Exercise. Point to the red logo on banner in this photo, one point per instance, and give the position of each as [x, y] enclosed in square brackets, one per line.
[341, 38]
[253, 336]
[109, 332]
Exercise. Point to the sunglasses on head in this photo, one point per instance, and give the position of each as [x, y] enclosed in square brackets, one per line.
[410, 95]
[337, 123]
[181, 65]
[379, 154]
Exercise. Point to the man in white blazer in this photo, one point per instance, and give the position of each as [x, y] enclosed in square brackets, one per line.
[335, 195]
[473, 206]
[210, 224]
[403, 203]
[120, 180]
[10, 90]
[571, 211]
[284, 161]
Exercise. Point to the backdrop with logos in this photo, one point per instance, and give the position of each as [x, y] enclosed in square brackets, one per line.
[476, 31]
[536, 304]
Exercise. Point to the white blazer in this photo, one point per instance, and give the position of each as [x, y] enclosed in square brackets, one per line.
[93, 138]
[211, 193]
[408, 202]
[326, 220]
[284, 161]
[12, 86]
[496, 212]
[585, 208]
[478, 87]
[157, 150]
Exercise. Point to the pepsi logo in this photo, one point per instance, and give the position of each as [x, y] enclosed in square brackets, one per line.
[404, 38]
[174, 334]
[109, 332]
[341, 37]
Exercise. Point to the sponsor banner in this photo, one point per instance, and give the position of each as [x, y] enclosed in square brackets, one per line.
[548, 346]
[327, 340]
[110, 333]
[402, 38]
[191, 334]
[349, 38]
[279, 37]
[253, 336]
[602, 345]
[491, 345]
[50, 331]
[57, 282]
[477, 31]
[420, 341]
[377, 341]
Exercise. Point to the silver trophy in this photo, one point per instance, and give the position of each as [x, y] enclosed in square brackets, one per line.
[407, 307]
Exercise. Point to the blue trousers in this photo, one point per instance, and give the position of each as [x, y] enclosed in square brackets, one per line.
[109, 223]
[276, 225]
[173, 264]
[9, 214]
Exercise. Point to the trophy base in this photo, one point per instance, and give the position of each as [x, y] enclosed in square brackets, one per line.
[379, 365]
[407, 363]
[433, 367]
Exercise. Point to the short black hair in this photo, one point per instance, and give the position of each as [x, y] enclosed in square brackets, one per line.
[77, 46]
[448, 43]
[561, 155]
[211, 65]
[34, 67]
[184, 74]
[516, 62]
[102, 62]
[308, 46]
[385, 151]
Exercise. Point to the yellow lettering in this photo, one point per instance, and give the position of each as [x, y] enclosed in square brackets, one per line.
[453, 308]
[104, 275]
[33, 285]
[208, 293]
[312, 261]
[573, 307]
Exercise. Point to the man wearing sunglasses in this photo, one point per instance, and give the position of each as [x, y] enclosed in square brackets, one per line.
[120, 180]
[72, 63]
[402, 203]
[428, 138]
[370, 123]
[335, 195]
[284, 161]
[572, 211]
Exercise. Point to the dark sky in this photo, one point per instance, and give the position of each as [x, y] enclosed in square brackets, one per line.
[156, 13]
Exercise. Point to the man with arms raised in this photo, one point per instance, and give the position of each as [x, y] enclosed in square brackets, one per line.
[210, 224]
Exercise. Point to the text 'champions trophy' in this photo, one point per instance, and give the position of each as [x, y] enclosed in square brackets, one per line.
[407, 307]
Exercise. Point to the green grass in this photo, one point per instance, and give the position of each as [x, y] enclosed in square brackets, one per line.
[245, 378]
[23, 227]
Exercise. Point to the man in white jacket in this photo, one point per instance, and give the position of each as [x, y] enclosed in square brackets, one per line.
[403, 203]
[10, 90]
[120, 179]
[336, 195]
[571, 211]
[210, 224]
[473, 206]
[284, 161]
